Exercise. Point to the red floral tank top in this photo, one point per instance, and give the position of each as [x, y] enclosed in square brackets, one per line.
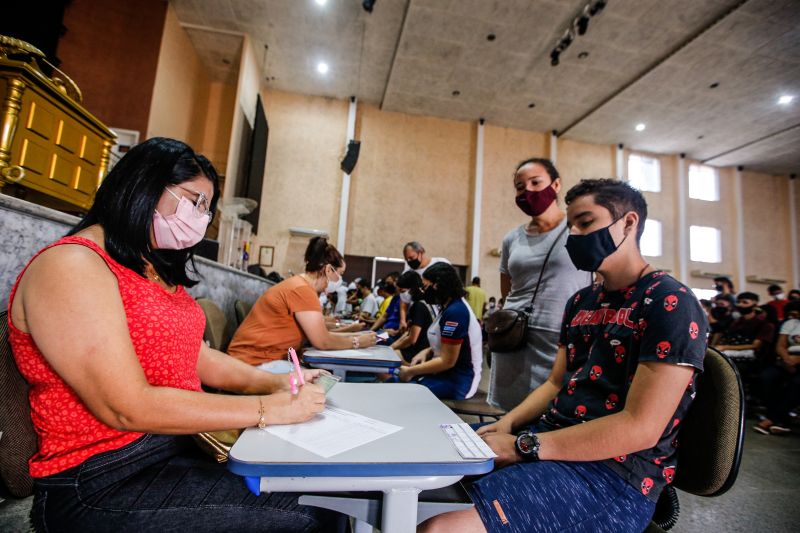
[166, 330]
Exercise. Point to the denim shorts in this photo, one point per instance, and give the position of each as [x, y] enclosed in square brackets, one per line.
[549, 496]
[164, 483]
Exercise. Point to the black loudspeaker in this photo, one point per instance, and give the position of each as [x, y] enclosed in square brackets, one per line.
[351, 157]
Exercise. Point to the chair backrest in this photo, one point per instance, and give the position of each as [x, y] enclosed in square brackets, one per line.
[18, 442]
[242, 309]
[217, 333]
[712, 433]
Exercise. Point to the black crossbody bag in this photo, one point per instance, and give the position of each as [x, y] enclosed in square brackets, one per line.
[506, 328]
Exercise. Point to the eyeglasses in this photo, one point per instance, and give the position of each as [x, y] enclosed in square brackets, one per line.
[201, 205]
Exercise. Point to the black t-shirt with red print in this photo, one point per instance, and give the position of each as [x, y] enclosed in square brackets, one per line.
[606, 335]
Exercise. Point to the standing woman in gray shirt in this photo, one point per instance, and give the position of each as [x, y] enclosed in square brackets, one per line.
[515, 374]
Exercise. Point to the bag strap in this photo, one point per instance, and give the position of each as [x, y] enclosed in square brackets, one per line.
[544, 265]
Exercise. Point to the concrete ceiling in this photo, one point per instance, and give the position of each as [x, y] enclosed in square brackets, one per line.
[649, 61]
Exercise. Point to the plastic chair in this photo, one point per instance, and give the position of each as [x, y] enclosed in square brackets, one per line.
[218, 333]
[711, 438]
[18, 442]
[242, 309]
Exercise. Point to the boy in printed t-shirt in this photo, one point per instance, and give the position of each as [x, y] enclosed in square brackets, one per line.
[611, 410]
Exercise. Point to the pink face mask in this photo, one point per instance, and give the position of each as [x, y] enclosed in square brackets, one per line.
[181, 230]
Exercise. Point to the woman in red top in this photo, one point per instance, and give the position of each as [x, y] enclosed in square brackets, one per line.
[111, 344]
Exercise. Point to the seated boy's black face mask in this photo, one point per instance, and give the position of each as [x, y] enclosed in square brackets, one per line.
[587, 252]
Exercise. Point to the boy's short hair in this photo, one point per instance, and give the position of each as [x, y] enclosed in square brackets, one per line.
[747, 296]
[615, 195]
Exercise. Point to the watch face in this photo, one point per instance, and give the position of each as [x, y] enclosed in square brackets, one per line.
[525, 443]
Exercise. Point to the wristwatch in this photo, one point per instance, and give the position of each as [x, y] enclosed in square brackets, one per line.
[528, 446]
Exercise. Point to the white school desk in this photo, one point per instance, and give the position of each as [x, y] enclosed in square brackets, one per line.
[377, 359]
[419, 457]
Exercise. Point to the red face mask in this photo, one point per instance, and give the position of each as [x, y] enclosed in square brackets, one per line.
[534, 203]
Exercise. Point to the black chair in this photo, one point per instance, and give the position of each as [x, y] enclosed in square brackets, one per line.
[711, 437]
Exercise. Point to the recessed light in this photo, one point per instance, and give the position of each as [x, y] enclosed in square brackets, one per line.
[583, 55]
[491, 37]
[531, 105]
[321, 2]
[714, 85]
[322, 67]
[456, 93]
[640, 127]
[785, 99]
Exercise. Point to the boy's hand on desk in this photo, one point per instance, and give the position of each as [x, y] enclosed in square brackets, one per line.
[505, 446]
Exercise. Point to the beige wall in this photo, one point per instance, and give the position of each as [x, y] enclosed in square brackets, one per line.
[181, 89]
[219, 119]
[577, 160]
[302, 180]
[413, 181]
[766, 229]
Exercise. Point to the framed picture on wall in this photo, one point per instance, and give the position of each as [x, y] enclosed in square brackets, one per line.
[265, 254]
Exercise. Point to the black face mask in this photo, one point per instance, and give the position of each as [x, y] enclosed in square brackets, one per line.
[430, 295]
[745, 310]
[720, 312]
[414, 264]
[587, 252]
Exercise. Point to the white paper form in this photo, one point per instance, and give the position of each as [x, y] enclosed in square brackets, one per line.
[333, 431]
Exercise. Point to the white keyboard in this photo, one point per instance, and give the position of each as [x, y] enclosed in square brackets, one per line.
[467, 442]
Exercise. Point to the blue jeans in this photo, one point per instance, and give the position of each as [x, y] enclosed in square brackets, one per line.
[164, 483]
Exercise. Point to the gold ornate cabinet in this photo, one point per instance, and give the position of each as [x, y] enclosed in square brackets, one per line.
[48, 141]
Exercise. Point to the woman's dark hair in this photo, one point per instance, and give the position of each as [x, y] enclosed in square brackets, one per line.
[413, 282]
[448, 284]
[546, 163]
[615, 195]
[126, 201]
[319, 253]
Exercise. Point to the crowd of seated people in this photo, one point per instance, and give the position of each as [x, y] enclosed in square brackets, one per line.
[764, 341]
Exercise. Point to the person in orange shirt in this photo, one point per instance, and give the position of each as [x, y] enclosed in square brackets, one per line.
[289, 313]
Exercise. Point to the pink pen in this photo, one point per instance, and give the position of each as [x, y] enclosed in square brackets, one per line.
[297, 368]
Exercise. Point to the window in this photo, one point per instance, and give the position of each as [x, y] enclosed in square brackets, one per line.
[704, 294]
[650, 244]
[704, 244]
[644, 173]
[703, 183]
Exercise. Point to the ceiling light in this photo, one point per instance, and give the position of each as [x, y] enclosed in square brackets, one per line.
[640, 127]
[321, 2]
[322, 67]
[785, 99]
